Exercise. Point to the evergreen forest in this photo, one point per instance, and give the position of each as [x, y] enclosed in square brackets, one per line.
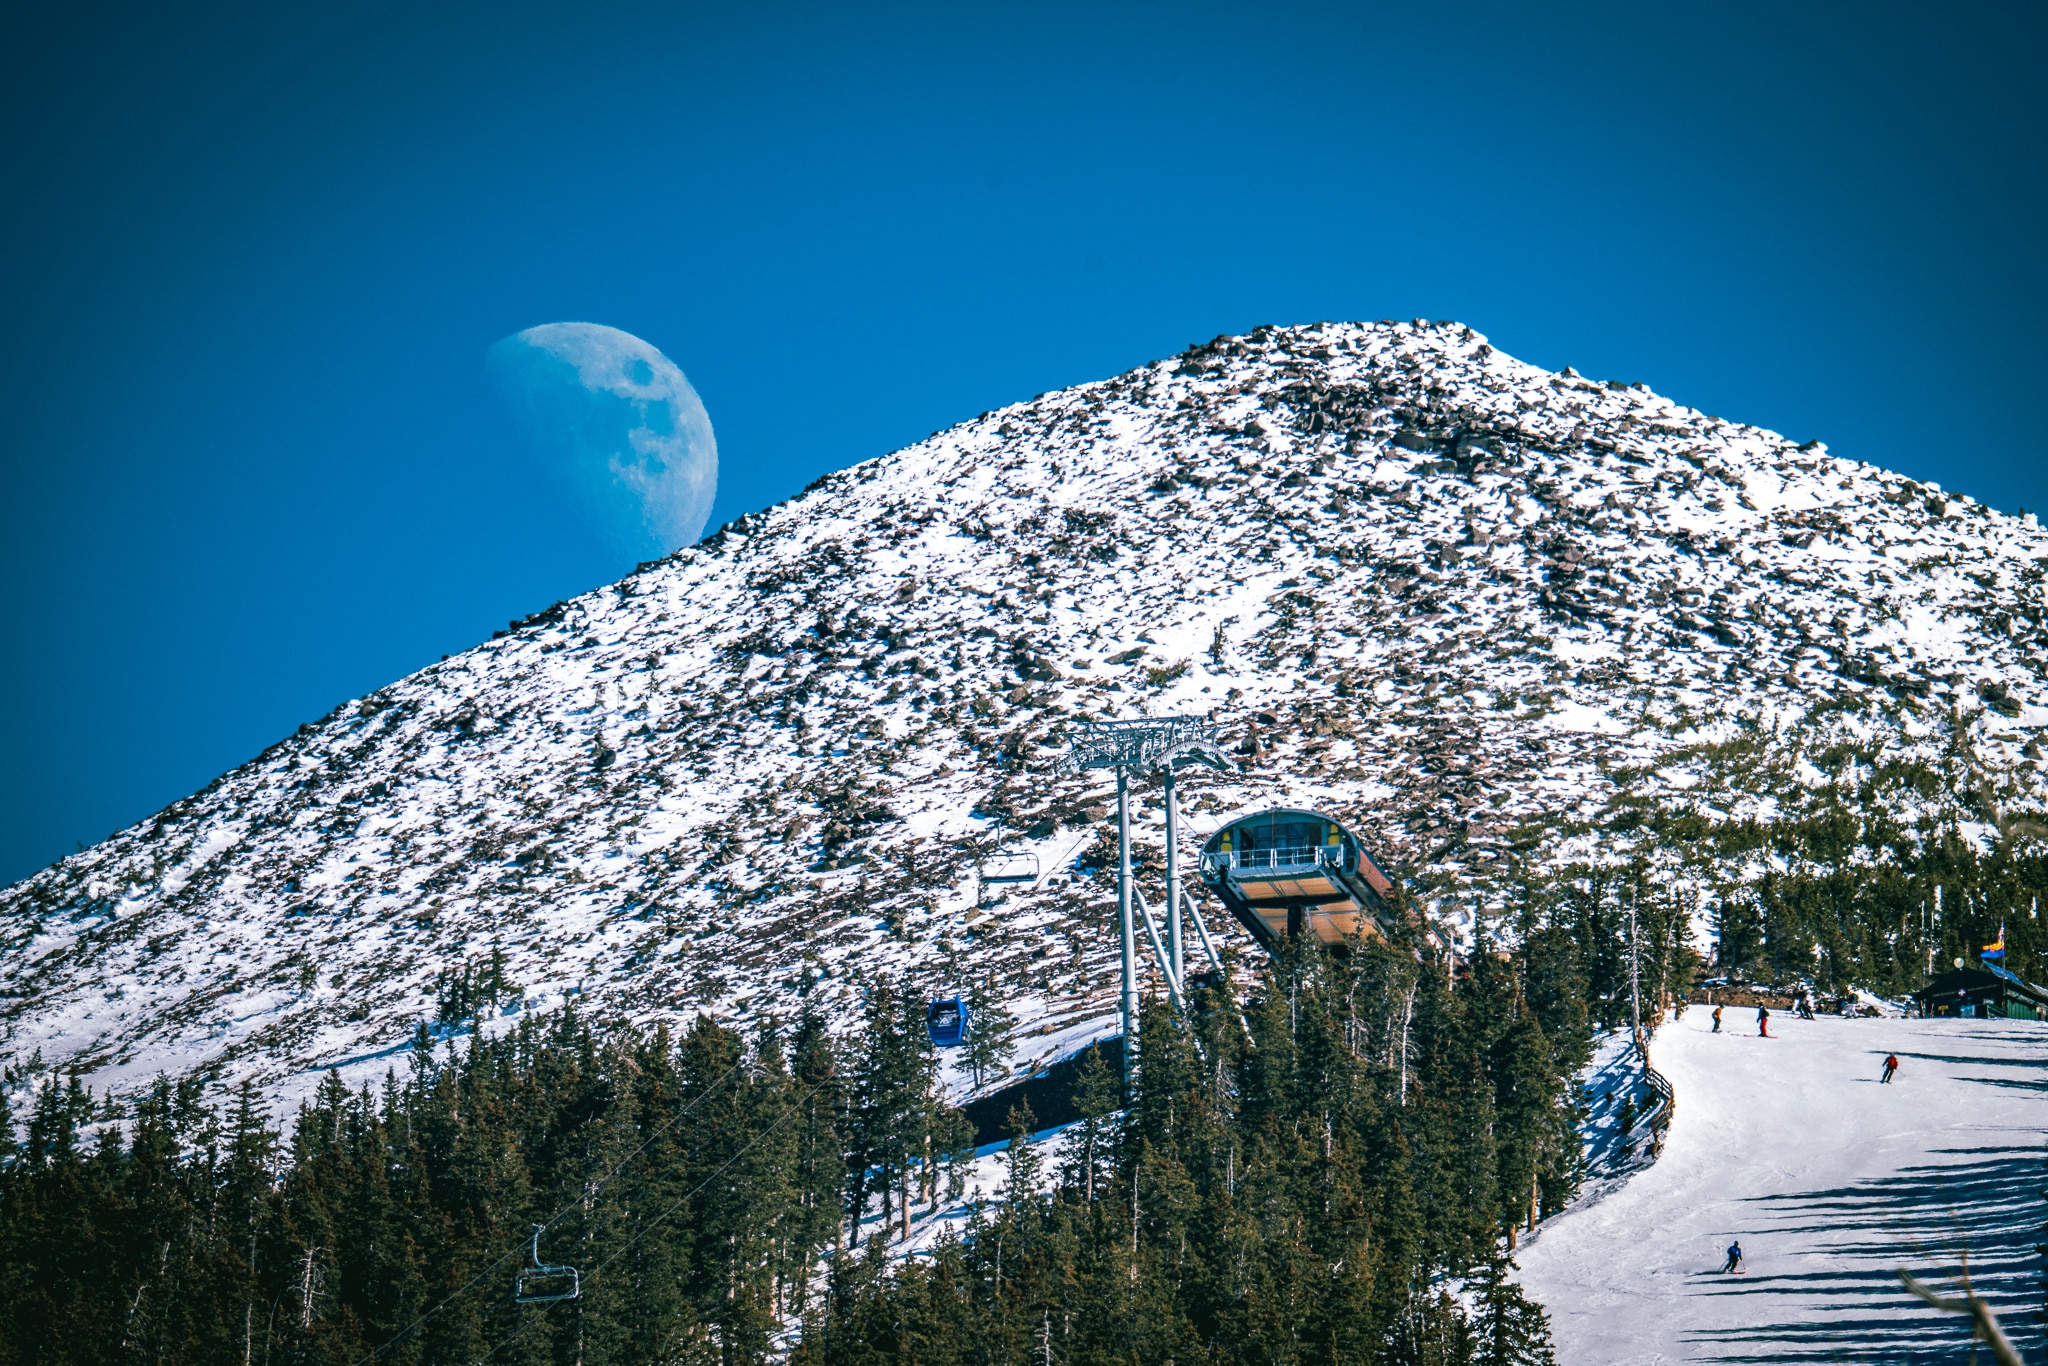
[1332, 1167]
[1851, 898]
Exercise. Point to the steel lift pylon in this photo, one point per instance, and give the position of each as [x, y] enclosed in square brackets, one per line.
[1160, 745]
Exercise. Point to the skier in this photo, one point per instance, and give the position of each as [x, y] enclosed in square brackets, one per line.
[1763, 1023]
[1734, 1262]
[1891, 1065]
[1717, 1019]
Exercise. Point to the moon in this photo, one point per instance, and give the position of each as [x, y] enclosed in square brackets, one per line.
[617, 427]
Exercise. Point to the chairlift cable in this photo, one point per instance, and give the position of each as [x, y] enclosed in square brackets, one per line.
[552, 1219]
[795, 1106]
[1064, 859]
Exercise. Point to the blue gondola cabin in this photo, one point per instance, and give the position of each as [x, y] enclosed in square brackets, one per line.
[1286, 873]
[946, 1021]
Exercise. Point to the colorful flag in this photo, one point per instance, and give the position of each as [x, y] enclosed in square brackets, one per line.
[1996, 948]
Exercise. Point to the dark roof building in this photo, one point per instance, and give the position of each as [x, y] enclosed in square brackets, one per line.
[1987, 991]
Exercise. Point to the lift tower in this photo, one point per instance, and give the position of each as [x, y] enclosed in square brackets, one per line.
[1146, 745]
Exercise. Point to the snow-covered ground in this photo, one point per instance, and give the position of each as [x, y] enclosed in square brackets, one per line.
[1830, 1180]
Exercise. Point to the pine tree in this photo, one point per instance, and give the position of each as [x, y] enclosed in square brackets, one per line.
[738, 1185]
[1510, 1329]
[821, 1139]
[885, 1082]
[900, 1130]
[1431, 1331]
[1450, 1125]
[1086, 1145]
[988, 1043]
[247, 1220]
[76, 1279]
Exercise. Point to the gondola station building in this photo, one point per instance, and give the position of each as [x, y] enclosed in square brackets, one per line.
[1987, 991]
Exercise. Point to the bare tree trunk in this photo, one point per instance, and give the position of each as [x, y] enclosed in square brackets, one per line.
[1985, 1322]
[1407, 1016]
[128, 1325]
[306, 1290]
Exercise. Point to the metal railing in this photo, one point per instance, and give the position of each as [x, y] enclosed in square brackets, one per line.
[1274, 860]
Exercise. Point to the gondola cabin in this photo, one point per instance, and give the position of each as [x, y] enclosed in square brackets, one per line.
[1287, 873]
[946, 1021]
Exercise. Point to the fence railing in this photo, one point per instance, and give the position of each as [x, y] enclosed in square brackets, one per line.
[1658, 1116]
[1272, 860]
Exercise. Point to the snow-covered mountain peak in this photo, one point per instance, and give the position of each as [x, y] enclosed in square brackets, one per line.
[1483, 612]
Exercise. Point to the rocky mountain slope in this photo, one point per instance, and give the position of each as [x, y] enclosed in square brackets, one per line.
[1479, 610]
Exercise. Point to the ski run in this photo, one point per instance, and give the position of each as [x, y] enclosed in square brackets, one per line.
[1830, 1180]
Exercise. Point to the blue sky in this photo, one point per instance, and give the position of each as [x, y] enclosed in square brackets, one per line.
[253, 463]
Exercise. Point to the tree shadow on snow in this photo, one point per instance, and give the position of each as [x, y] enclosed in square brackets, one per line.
[1973, 1060]
[1919, 1218]
[2009, 1083]
[1616, 1089]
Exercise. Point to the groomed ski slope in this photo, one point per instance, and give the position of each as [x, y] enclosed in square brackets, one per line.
[1830, 1180]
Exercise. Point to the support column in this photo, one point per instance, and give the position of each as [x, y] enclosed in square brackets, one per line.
[1125, 926]
[1173, 949]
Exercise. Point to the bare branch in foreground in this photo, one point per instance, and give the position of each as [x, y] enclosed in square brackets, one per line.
[1979, 1312]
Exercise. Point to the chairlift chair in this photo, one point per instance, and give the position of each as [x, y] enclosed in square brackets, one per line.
[1003, 866]
[544, 1284]
[945, 1019]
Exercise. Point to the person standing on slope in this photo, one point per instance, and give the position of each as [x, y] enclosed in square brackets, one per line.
[1734, 1262]
[1891, 1065]
[1763, 1022]
[1717, 1019]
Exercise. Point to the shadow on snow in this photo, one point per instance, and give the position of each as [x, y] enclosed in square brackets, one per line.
[1920, 1218]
